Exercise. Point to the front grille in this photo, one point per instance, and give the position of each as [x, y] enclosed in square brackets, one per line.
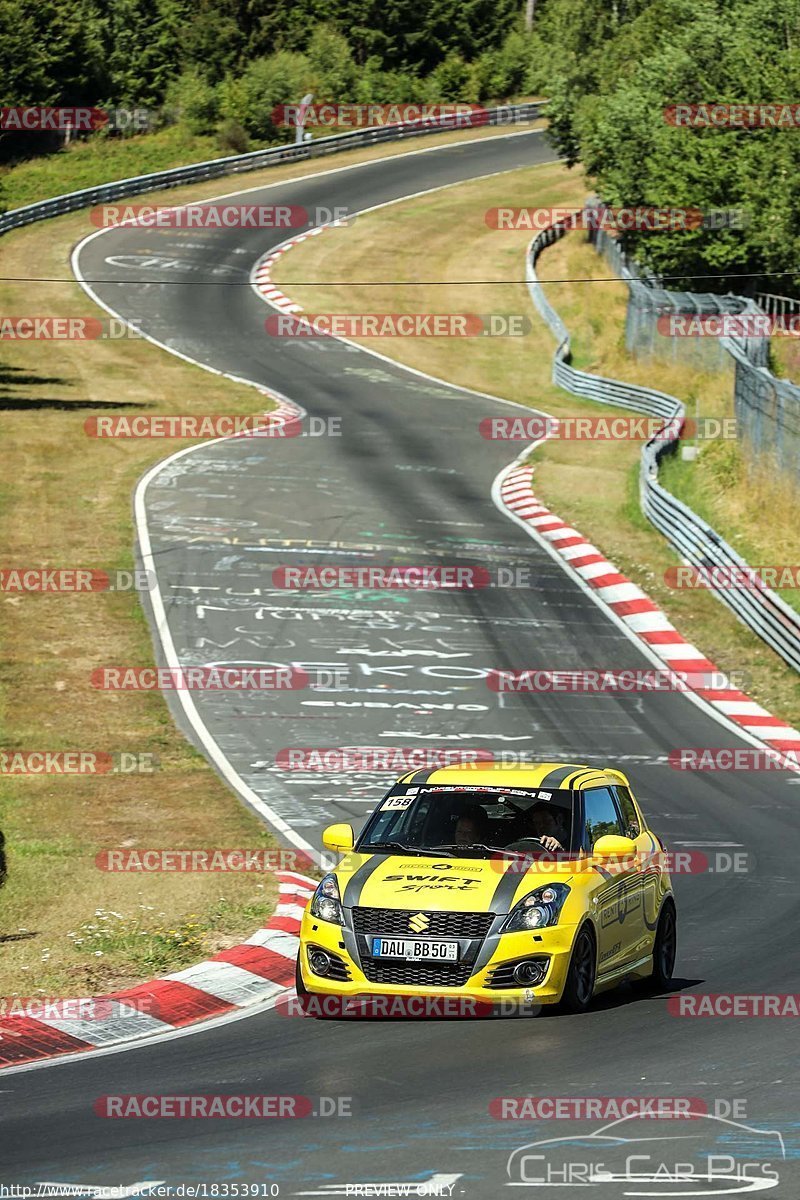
[339, 969]
[417, 974]
[394, 921]
[503, 976]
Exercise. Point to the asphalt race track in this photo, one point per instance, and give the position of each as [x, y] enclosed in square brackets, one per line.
[409, 481]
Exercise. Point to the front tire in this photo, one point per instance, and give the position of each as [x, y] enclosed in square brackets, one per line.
[303, 994]
[579, 988]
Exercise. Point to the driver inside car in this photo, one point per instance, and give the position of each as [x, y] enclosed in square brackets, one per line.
[541, 824]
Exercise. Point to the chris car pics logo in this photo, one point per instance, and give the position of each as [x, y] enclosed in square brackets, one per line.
[708, 1156]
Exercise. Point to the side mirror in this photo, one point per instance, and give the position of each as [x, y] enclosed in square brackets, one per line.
[612, 846]
[338, 838]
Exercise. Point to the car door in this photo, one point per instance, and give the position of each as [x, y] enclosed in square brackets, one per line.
[617, 898]
[650, 859]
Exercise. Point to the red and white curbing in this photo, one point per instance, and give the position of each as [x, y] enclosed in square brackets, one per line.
[262, 272]
[260, 968]
[638, 612]
[285, 413]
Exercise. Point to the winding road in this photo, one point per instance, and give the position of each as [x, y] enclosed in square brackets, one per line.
[409, 481]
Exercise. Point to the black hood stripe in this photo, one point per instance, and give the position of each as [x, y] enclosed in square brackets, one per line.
[355, 884]
[506, 889]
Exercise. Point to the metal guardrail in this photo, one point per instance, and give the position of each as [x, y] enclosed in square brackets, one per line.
[215, 168]
[767, 408]
[697, 543]
[777, 306]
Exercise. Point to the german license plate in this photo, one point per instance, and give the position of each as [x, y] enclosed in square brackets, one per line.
[412, 948]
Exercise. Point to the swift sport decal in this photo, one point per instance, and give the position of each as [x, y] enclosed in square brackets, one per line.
[433, 882]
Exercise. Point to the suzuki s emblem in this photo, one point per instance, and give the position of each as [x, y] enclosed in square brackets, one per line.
[418, 923]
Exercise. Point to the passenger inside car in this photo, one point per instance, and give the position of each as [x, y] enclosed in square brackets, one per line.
[472, 826]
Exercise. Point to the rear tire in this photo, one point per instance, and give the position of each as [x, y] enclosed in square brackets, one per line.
[579, 988]
[664, 948]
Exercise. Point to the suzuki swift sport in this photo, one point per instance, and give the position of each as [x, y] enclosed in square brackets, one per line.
[538, 882]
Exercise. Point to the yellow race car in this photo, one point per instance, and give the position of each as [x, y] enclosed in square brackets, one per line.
[538, 883]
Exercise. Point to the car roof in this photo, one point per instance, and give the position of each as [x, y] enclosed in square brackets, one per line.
[573, 776]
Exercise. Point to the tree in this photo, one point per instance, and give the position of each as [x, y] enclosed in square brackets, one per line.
[608, 112]
[331, 60]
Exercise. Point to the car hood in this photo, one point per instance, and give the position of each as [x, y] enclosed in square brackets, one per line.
[452, 884]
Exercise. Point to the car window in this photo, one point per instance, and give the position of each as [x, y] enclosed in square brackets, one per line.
[630, 818]
[499, 817]
[600, 815]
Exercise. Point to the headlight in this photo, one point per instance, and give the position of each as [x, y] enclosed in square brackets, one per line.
[537, 910]
[326, 902]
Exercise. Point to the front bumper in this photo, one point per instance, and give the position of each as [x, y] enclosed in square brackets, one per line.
[553, 944]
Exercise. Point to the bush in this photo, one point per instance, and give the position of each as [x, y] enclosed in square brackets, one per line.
[503, 73]
[449, 82]
[538, 67]
[335, 73]
[512, 63]
[251, 97]
[192, 100]
[481, 73]
[231, 137]
[376, 86]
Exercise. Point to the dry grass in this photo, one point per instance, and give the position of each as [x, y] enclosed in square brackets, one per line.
[732, 492]
[66, 502]
[785, 358]
[593, 484]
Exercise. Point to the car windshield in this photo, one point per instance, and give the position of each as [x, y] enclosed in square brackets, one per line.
[473, 821]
